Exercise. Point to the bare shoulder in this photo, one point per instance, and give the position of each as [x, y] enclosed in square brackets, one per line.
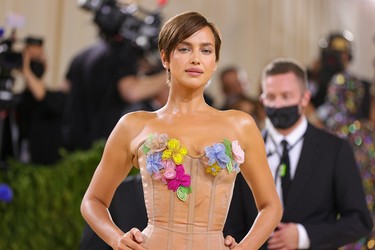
[242, 124]
[130, 125]
[239, 119]
[136, 120]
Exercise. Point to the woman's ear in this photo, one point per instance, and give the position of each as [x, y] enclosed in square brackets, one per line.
[164, 59]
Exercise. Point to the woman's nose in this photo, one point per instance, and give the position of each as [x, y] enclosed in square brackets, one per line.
[195, 58]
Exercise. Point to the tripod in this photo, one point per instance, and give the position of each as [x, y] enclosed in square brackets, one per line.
[7, 116]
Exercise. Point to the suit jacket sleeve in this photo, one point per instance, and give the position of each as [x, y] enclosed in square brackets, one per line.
[354, 219]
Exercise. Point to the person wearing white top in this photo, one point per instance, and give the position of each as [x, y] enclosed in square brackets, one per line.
[325, 204]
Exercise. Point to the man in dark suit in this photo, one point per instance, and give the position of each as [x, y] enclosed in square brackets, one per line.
[315, 173]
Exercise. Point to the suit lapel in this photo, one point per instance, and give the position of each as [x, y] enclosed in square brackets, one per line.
[309, 153]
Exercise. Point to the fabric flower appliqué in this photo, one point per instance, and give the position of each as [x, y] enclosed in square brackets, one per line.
[224, 155]
[174, 151]
[164, 162]
[165, 157]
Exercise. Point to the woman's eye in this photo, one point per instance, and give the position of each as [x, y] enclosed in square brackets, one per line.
[206, 51]
[183, 49]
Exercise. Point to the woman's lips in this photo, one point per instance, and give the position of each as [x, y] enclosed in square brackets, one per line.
[194, 71]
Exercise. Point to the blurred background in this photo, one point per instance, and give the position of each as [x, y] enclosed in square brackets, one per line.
[253, 31]
[63, 63]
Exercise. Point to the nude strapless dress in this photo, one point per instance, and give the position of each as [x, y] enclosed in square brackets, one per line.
[195, 223]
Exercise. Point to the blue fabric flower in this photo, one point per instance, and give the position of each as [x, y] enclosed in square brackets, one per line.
[236, 166]
[216, 153]
[153, 162]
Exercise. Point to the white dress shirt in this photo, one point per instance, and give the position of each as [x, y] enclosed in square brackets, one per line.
[274, 151]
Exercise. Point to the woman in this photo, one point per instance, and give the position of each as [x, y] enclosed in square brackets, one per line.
[188, 154]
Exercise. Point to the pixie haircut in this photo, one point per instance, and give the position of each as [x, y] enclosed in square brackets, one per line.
[180, 27]
[283, 66]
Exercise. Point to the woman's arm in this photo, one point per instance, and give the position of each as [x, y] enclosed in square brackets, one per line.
[257, 174]
[114, 166]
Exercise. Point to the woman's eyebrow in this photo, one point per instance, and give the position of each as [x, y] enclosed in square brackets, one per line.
[201, 44]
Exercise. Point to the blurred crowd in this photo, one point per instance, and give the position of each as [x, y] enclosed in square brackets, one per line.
[341, 103]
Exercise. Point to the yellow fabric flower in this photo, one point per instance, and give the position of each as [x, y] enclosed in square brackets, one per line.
[214, 169]
[174, 151]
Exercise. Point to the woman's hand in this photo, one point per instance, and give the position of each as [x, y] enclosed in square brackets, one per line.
[130, 240]
[230, 242]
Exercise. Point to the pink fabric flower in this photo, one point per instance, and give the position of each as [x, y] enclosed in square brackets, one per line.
[159, 176]
[169, 174]
[238, 153]
[169, 169]
[168, 164]
[181, 179]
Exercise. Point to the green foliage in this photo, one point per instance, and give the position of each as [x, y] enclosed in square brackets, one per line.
[45, 211]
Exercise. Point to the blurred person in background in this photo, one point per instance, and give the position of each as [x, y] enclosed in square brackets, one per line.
[9, 60]
[39, 109]
[336, 54]
[315, 172]
[342, 109]
[372, 113]
[104, 81]
[346, 112]
[233, 81]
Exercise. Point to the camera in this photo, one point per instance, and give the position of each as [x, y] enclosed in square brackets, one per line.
[9, 60]
[130, 21]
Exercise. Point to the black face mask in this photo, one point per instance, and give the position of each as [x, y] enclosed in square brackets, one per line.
[37, 67]
[284, 117]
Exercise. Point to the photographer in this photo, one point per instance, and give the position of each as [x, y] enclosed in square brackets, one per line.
[9, 60]
[104, 80]
[40, 109]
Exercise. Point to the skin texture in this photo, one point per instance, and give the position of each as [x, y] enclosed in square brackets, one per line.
[185, 116]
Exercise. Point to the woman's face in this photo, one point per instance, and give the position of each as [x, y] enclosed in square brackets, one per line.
[193, 61]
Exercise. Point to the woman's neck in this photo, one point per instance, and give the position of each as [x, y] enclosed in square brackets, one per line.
[185, 101]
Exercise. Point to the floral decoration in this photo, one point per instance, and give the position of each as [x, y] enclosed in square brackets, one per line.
[165, 159]
[164, 162]
[224, 155]
[180, 179]
[214, 169]
[174, 151]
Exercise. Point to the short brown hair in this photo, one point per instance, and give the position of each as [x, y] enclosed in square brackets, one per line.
[180, 27]
[283, 66]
